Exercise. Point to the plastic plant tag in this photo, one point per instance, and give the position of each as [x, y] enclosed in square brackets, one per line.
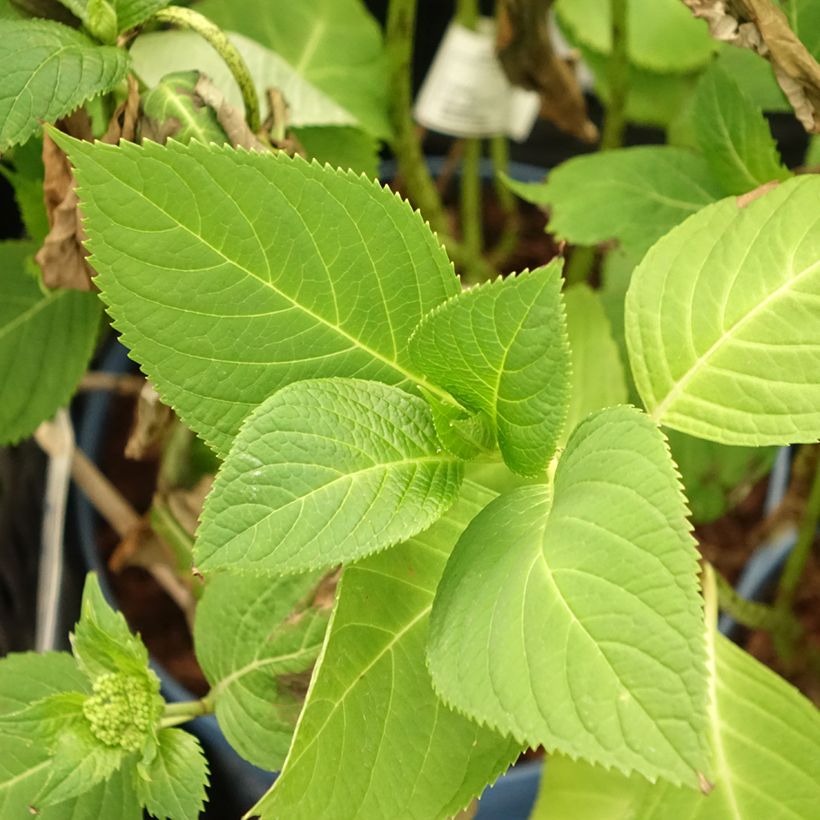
[467, 94]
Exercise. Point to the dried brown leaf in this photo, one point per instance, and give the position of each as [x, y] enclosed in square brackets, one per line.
[230, 118]
[152, 421]
[123, 124]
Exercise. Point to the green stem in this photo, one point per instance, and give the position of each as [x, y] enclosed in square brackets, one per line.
[580, 264]
[618, 75]
[471, 199]
[747, 613]
[176, 713]
[500, 156]
[186, 18]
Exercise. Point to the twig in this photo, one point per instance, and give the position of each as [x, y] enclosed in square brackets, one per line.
[471, 228]
[500, 157]
[123, 384]
[618, 75]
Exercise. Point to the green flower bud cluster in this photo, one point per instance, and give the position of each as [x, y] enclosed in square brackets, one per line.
[122, 710]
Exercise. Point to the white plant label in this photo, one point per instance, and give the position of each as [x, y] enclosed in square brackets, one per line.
[467, 94]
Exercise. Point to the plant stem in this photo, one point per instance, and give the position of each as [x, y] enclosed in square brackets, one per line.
[186, 18]
[500, 156]
[615, 119]
[580, 264]
[176, 713]
[472, 239]
[750, 614]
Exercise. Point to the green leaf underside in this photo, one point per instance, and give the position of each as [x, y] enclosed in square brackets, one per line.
[46, 71]
[639, 194]
[663, 34]
[766, 744]
[575, 622]
[733, 135]
[246, 644]
[722, 321]
[334, 44]
[323, 472]
[173, 785]
[232, 274]
[597, 379]
[371, 715]
[501, 350]
[46, 340]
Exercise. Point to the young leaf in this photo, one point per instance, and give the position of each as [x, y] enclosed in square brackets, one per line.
[323, 472]
[501, 349]
[597, 379]
[251, 640]
[232, 274]
[571, 618]
[172, 785]
[334, 44]
[46, 340]
[722, 321]
[638, 195]
[733, 135]
[371, 716]
[46, 71]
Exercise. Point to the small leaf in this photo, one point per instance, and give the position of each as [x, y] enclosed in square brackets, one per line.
[734, 136]
[172, 786]
[254, 637]
[639, 195]
[46, 340]
[722, 321]
[46, 71]
[324, 472]
[501, 350]
[572, 619]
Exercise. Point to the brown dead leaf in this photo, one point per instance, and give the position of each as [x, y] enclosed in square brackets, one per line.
[762, 26]
[123, 124]
[529, 60]
[152, 421]
[230, 118]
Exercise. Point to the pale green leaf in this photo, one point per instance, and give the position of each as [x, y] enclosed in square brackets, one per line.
[232, 274]
[373, 739]
[597, 379]
[172, 785]
[634, 195]
[723, 325]
[733, 135]
[501, 350]
[46, 71]
[334, 44]
[46, 340]
[341, 147]
[42, 720]
[765, 739]
[173, 108]
[256, 640]
[663, 34]
[461, 432]
[571, 618]
[324, 472]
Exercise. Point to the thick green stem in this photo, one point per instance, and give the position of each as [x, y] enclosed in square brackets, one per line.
[176, 713]
[618, 76]
[500, 156]
[186, 18]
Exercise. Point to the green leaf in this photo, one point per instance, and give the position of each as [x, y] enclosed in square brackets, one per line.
[324, 472]
[334, 44]
[256, 638]
[342, 147]
[373, 739]
[765, 739]
[460, 432]
[639, 195]
[25, 175]
[46, 71]
[722, 321]
[42, 720]
[131, 13]
[571, 618]
[174, 109]
[754, 76]
[663, 34]
[173, 784]
[46, 340]
[223, 301]
[734, 136]
[597, 379]
[501, 350]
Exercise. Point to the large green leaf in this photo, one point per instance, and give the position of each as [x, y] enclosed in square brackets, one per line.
[333, 44]
[232, 274]
[46, 340]
[253, 635]
[598, 379]
[501, 349]
[723, 325]
[634, 195]
[765, 739]
[571, 618]
[663, 34]
[324, 472]
[46, 71]
[734, 135]
[373, 739]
